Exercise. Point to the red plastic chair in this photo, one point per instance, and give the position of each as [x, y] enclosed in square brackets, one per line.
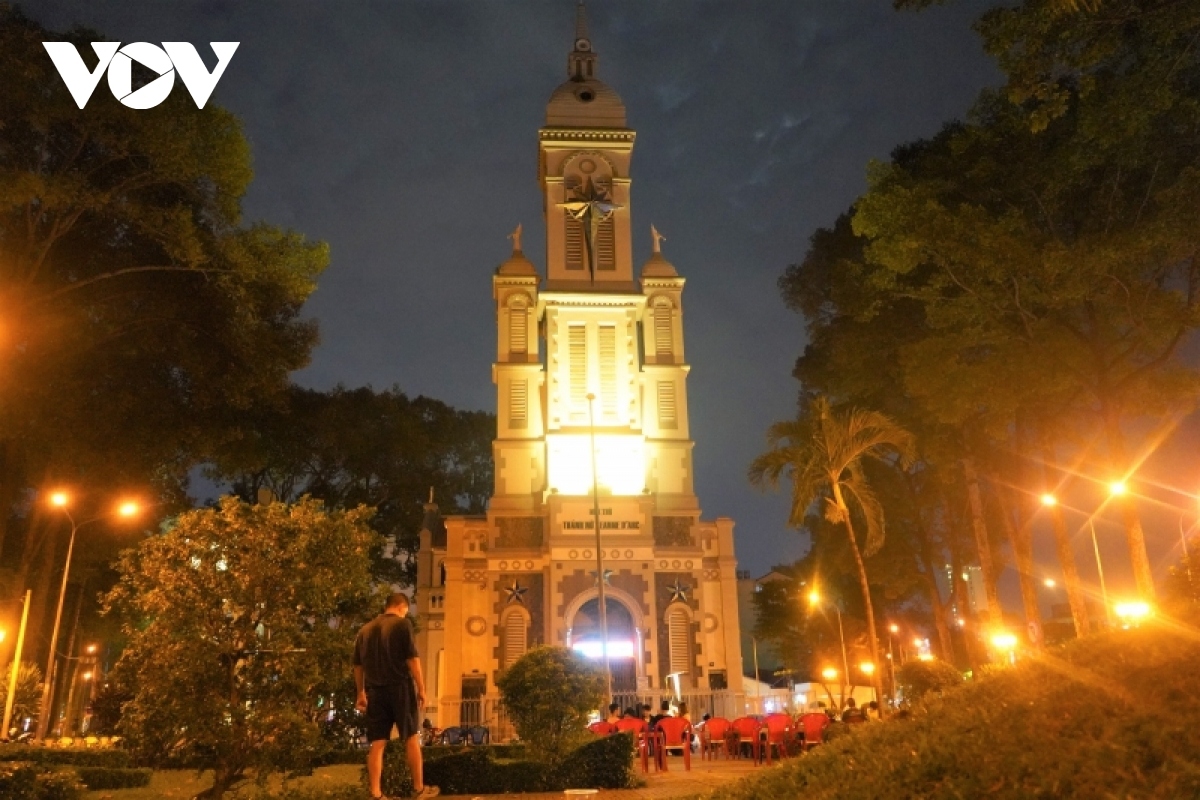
[813, 726]
[641, 738]
[780, 734]
[714, 737]
[602, 728]
[675, 732]
[747, 730]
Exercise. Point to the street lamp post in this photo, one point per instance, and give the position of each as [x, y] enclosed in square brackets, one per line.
[591, 398]
[13, 675]
[61, 500]
[1100, 572]
[815, 598]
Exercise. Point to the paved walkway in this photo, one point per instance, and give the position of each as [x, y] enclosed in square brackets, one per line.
[703, 778]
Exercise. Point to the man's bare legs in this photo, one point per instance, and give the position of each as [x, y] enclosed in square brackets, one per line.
[412, 753]
[416, 766]
[375, 766]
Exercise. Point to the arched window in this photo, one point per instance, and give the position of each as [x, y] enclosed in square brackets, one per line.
[515, 631]
[679, 640]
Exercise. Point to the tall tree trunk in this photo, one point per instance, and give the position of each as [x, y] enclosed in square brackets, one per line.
[1066, 554]
[958, 589]
[928, 568]
[1020, 534]
[994, 613]
[865, 585]
[1135, 537]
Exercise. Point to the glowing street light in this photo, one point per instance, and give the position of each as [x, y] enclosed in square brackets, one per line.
[924, 656]
[1050, 583]
[59, 499]
[867, 668]
[1117, 488]
[1049, 500]
[91, 649]
[829, 673]
[814, 597]
[129, 509]
[1004, 641]
[894, 628]
[1131, 613]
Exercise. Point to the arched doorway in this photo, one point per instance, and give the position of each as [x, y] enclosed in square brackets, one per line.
[623, 640]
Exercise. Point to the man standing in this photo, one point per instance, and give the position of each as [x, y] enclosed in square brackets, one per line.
[391, 690]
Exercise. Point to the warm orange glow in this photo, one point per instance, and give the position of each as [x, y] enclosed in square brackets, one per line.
[829, 673]
[3, 633]
[924, 657]
[129, 509]
[918, 642]
[1117, 488]
[1132, 611]
[1004, 641]
[814, 597]
[1050, 582]
[960, 622]
[59, 499]
[87, 676]
[1049, 500]
[91, 648]
[867, 667]
[894, 628]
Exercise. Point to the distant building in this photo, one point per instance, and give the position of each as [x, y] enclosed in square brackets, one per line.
[768, 657]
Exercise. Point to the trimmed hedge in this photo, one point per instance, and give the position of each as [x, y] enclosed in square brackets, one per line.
[605, 763]
[114, 759]
[30, 782]
[113, 778]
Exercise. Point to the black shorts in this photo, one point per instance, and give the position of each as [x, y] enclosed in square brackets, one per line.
[392, 705]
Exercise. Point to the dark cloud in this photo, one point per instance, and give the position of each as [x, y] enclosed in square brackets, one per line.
[405, 135]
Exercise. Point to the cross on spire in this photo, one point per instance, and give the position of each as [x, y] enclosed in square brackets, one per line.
[581, 64]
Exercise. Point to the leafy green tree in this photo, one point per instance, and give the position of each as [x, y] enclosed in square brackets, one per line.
[548, 694]
[918, 679]
[821, 453]
[351, 447]
[29, 691]
[139, 308]
[241, 621]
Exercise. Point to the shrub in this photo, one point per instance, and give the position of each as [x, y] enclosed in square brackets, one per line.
[606, 763]
[920, 678]
[30, 782]
[601, 764]
[109, 778]
[548, 694]
[113, 759]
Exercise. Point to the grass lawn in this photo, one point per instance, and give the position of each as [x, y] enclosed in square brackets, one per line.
[1111, 716]
[186, 783]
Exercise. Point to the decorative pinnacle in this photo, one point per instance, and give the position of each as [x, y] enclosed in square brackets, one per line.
[581, 31]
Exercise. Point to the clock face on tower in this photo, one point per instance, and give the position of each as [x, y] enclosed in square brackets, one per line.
[583, 45]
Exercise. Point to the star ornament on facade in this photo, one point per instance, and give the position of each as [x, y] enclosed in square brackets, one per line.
[679, 591]
[516, 593]
[608, 573]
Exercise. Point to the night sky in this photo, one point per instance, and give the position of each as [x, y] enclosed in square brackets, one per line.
[405, 135]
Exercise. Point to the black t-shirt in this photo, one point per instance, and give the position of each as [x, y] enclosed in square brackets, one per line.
[383, 646]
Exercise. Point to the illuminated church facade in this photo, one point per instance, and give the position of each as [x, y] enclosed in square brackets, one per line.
[590, 351]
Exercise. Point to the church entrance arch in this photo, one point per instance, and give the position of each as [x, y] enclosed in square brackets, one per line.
[624, 635]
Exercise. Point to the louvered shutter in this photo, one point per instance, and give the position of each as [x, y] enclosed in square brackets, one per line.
[608, 371]
[578, 367]
[679, 640]
[514, 637]
[667, 418]
[518, 404]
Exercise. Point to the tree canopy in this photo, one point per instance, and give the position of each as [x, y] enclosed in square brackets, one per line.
[241, 621]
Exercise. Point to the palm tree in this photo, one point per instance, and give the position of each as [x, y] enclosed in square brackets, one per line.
[821, 452]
